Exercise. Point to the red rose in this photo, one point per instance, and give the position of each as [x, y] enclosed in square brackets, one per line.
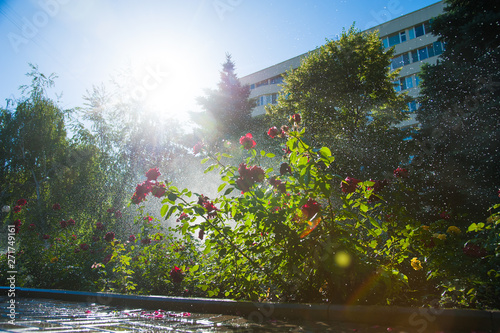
[21, 202]
[146, 241]
[183, 216]
[131, 238]
[379, 185]
[109, 236]
[310, 208]
[159, 190]
[106, 259]
[100, 226]
[474, 251]
[71, 222]
[197, 148]
[285, 168]
[84, 246]
[144, 188]
[45, 236]
[258, 174]
[118, 214]
[201, 233]
[243, 184]
[274, 181]
[63, 224]
[176, 275]
[17, 209]
[401, 173]
[273, 131]
[247, 141]
[349, 184]
[153, 174]
[56, 206]
[32, 226]
[444, 215]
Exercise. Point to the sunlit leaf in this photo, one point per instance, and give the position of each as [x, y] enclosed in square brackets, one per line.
[221, 187]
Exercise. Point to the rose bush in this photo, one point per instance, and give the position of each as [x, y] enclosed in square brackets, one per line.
[282, 228]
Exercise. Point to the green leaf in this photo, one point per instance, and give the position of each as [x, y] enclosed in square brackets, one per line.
[221, 187]
[164, 210]
[210, 168]
[205, 160]
[364, 208]
[270, 155]
[194, 268]
[325, 152]
[226, 155]
[208, 248]
[170, 212]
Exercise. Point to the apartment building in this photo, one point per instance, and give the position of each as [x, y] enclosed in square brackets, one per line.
[413, 45]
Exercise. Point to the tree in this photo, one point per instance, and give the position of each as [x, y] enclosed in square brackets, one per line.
[227, 110]
[460, 101]
[33, 140]
[346, 97]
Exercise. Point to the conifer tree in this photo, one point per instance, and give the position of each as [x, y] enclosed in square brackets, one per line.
[460, 101]
[227, 110]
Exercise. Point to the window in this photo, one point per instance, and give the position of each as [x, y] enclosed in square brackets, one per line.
[427, 27]
[393, 40]
[274, 98]
[412, 106]
[402, 83]
[400, 61]
[431, 50]
[409, 82]
[397, 86]
[419, 30]
[422, 53]
[414, 56]
[411, 33]
[267, 99]
[438, 48]
[417, 80]
[402, 36]
[252, 86]
[262, 83]
[276, 80]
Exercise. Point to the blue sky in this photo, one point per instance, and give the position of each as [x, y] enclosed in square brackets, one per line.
[169, 51]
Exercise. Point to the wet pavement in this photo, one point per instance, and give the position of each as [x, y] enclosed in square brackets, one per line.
[62, 316]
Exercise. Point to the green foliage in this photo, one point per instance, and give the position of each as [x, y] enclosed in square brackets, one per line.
[299, 233]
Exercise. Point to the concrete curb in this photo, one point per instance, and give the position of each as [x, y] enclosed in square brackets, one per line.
[420, 318]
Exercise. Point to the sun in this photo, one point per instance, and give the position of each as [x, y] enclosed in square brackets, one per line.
[165, 82]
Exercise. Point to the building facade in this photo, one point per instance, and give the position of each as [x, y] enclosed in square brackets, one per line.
[413, 45]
